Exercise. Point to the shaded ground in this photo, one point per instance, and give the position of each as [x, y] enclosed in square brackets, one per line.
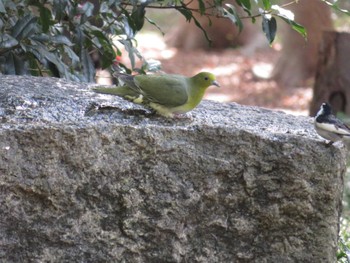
[234, 71]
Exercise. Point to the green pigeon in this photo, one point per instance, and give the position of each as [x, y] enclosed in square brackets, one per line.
[167, 94]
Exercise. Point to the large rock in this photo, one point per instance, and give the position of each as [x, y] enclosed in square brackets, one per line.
[230, 184]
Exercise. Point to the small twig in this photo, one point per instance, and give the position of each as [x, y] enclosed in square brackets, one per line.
[290, 3]
[185, 5]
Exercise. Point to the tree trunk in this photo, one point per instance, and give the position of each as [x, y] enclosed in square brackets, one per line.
[332, 77]
[298, 57]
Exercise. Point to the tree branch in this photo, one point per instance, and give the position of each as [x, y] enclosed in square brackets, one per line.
[196, 10]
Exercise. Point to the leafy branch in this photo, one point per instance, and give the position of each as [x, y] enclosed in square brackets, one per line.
[57, 38]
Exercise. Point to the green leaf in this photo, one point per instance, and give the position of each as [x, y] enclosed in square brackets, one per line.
[61, 39]
[196, 22]
[201, 7]
[128, 31]
[119, 52]
[151, 65]
[246, 5]
[35, 52]
[107, 57]
[210, 23]
[341, 255]
[58, 39]
[155, 25]
[58, 9]
[189, 16]
[137, 18]
[283, 12]
[86, 12]
[104, 8]
[45, 18]
[24, 27]
[186, 13]
[102, 41]
[232, 14]
[267, 4]
[129, 48]
[7, 41]
[269, 27]
[79, 37]
[2, 7]
[297, 27]
[41, 38]
[86, 8]
[34, 66]
[72, 55]
[96, 41]
[288, 17]
[88, 66]
[46, 57]
[126, 69]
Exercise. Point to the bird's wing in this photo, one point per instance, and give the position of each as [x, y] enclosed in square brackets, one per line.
[167, 90]
[334, 125]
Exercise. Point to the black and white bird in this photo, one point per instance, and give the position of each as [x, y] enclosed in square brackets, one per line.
[328, 126]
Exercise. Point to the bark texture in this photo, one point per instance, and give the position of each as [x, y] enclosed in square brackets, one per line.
[298, 59]
[332, 77]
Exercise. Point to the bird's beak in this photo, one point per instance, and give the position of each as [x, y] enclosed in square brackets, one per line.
[215, 83]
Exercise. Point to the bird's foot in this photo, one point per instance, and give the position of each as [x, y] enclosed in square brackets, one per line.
[329, 144]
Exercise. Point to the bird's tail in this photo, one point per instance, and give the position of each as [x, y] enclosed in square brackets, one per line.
[121, 91]
[107, 90]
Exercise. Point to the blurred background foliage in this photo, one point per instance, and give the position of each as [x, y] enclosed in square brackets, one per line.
[70, 39]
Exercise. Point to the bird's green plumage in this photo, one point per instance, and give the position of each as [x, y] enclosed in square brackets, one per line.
[168, 94]
[171, 90]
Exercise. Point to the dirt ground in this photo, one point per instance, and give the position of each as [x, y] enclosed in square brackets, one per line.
[234, 72]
